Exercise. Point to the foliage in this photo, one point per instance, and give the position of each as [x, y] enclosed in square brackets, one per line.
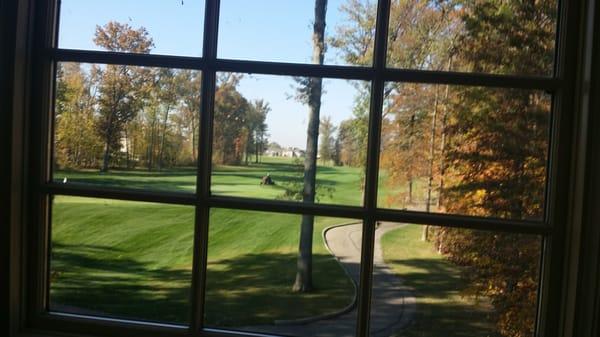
[119, 116]
[327, 150]
[489, 145]
[231, 112]
[76, 142]
[119, 98]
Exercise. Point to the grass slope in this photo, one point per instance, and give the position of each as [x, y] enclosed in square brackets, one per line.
[131, 259]
[443, 309]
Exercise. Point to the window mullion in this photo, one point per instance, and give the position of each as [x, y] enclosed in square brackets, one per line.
[372, 168]
[211, 26]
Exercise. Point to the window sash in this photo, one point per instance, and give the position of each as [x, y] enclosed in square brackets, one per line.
[552, 227]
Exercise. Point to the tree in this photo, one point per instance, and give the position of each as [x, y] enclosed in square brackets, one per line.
[421, 33]
[76, 143]
[119, 85]
[167, 90]
[498, 150]
[189, 92]
[327, 145]
[492, 143]
[257, 128]
[310, 91]
[230, 132]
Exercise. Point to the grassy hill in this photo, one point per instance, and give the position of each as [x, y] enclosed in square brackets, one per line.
[133, 259]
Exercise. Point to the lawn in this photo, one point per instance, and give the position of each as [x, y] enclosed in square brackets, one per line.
[443, 307]
[133, 260]
[340, 185]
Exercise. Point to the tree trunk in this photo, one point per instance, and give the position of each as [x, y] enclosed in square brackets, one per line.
[256, 149]
[126, 147]
[443, 141]
[162, 140]
[151, 144]
[303, 281]
[410, 172]
[194, 154]
[425, 234]
[106, 158]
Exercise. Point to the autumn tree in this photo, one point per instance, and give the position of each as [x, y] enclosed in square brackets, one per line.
[257, 129]
[76, 142]
[420, 37]
[167, 84]
[498, 151]
[189, 85]
[118, 88]
[230, 132]
[327, 148]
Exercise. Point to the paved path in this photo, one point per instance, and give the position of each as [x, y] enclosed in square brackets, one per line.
[393, 304]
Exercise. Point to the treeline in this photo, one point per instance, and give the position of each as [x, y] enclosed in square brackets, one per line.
[464, 149]
[120, 116]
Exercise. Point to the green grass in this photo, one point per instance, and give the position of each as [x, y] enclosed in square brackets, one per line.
[133, 260]
[239, 181]
[443, 307]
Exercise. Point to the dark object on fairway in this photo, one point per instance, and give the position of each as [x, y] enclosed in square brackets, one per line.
[266, 180]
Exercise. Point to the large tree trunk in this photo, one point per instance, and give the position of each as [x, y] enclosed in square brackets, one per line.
[425, 234]
[303, 281]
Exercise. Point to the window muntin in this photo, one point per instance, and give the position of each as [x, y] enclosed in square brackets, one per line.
[121, 259]
[369, 213]
[164, 23]
[260, 139]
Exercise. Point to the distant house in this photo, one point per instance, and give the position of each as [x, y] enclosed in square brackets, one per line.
[278, 151]
[293, 152]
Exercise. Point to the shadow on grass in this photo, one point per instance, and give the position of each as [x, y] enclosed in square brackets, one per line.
[249, 289]
[84, 280]
[443, 307]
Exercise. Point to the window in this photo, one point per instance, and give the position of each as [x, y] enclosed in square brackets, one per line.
[341, 168]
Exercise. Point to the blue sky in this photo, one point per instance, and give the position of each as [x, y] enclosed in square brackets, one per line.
[246, 31]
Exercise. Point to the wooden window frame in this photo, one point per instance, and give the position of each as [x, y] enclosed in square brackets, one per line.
[29, 189]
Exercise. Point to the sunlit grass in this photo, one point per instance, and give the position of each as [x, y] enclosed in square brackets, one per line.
[131, 259]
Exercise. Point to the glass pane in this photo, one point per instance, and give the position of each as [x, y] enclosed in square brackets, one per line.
[252, 280]
[282, 31]
[465, 150]
[261, 132]
[500, 37]
[130, 26]
[435, 281]
[126, 126]
[123, 259]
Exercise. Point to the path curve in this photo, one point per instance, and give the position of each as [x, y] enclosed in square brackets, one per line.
[393, 304]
